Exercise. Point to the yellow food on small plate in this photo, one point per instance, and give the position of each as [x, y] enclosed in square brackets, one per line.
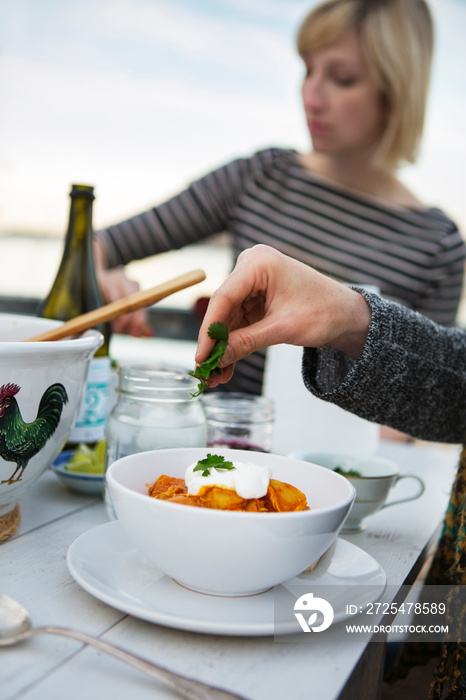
[87, 460]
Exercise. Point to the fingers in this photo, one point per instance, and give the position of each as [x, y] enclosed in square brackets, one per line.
[222, 378]
[135, 324]
[114, 285]
[223, 308]
[245, 341]
[239, 303]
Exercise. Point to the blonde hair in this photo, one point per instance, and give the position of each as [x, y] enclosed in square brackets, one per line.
[397, 39]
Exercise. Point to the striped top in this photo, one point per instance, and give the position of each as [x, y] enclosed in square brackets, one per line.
[414, 256]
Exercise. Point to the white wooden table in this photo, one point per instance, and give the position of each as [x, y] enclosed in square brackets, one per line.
[33, 570]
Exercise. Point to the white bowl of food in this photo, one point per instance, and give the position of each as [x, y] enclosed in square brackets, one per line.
[41, 384]
[228, 552]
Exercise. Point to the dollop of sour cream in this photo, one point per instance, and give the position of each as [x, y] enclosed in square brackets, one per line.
[247, 479]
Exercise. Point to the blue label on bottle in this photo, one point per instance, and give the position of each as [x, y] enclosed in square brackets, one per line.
[92, 414]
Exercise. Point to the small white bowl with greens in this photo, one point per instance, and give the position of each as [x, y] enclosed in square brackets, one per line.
[82, 470]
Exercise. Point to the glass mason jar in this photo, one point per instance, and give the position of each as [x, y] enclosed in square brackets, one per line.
[154, 410]
[239, 421]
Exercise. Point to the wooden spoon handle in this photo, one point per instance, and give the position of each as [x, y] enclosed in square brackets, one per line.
[122, 306]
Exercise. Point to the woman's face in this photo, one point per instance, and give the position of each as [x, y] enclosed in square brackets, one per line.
[341, 100]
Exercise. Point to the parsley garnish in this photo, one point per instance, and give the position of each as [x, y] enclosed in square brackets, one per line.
[217, 331]
[212, 462]
[347, 472]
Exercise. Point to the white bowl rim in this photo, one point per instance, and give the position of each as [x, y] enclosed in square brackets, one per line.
[307, 456]
[218, 513]
[83, 341]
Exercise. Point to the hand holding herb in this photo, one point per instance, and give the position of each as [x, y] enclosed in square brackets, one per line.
[219, 333]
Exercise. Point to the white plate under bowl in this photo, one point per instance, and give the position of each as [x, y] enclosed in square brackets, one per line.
[108, 566]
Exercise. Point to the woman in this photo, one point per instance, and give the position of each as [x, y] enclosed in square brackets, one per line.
[372, 357]
[339, 208]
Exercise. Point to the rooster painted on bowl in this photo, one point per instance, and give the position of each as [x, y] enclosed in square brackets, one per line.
[41, 384]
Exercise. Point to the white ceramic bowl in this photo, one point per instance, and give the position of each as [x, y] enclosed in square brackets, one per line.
[27, 371]
[227, 553]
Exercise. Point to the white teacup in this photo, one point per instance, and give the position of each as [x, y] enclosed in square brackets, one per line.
[373, 481]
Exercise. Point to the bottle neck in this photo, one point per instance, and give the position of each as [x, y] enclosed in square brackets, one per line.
[75, 290]
[80, 233]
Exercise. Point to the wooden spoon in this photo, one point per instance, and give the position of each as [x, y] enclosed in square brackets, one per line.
[122, 306]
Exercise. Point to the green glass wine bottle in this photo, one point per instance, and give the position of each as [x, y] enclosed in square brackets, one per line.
[75, 291]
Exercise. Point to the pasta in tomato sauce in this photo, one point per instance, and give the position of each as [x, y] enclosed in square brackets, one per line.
[279, 498]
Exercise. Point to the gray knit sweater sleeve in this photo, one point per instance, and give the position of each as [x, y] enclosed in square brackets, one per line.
[410, 376]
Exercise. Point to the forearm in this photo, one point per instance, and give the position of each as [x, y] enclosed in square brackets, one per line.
[411, 374]
[169, 226]
[201, 210]
[351, 320]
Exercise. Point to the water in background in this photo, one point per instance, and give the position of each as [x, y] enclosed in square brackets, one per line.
[30, 263]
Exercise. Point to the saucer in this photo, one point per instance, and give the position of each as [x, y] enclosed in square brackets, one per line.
[107, 565]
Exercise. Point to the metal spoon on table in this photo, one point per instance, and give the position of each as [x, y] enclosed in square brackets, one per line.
[15, 627]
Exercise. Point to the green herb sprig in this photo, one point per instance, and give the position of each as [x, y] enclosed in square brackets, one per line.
[218, 332]
[212, 462]
[347, 472]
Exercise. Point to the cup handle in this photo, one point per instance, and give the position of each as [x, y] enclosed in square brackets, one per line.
[422, 488]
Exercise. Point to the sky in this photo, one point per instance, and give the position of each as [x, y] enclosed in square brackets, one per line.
[140, 97]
